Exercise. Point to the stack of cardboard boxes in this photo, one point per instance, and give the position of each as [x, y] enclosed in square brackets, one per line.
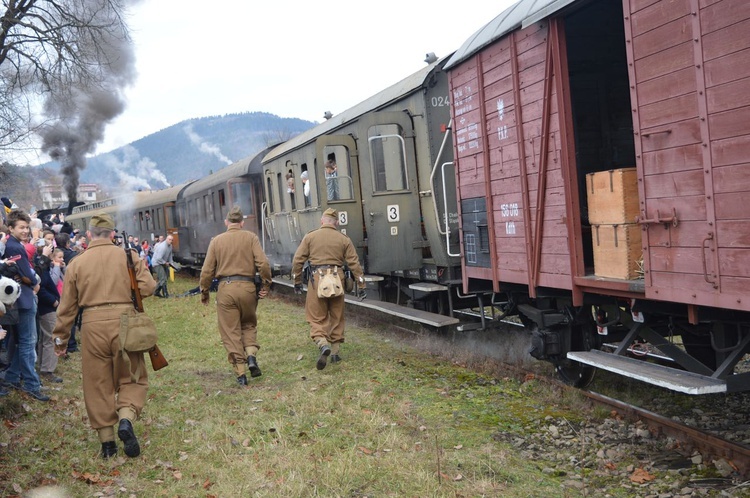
[613, 207]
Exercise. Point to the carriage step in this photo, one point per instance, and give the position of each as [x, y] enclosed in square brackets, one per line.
[651, 373]
[411, 314]
[428, 287]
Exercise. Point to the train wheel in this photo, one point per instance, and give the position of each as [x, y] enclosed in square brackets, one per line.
[575, 374]
[582, 338]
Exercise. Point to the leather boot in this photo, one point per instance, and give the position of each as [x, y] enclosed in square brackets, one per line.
[252, 365]
[325, 351]
[109, 449]
[242, 380]
[127, 436]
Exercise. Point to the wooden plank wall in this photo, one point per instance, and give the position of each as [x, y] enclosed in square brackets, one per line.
[511, 139]
[693, 98]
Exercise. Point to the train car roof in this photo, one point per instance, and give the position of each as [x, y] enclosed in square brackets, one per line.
[406, 86]
[518, 15]
[246, 166]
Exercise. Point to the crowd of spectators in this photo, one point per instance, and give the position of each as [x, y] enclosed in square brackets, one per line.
[35, 252]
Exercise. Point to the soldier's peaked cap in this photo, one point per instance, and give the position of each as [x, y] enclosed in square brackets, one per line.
[331, 213]
[102, 220]
[235, 215]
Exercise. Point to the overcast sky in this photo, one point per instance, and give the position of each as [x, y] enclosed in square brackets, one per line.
[289, 58]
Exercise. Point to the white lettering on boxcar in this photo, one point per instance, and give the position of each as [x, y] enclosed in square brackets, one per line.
[510, 227]
[509, 209]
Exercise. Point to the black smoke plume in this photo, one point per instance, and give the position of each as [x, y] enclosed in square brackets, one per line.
[81, 105]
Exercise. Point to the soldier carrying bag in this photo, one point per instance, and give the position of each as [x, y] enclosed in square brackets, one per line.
[329, 283]
[137, 330]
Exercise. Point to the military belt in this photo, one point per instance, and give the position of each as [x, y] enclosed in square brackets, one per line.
[232, 278]
[324, 267]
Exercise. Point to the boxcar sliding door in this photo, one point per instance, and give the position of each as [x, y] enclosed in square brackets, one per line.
[690, 62]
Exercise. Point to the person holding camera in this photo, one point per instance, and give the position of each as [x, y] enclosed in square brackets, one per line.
[327, 250]
[234, 257]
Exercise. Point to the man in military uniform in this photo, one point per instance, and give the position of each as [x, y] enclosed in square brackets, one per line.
[327, 249]
[233, 258]
[97, 282]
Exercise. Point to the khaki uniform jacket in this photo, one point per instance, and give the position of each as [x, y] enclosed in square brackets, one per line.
[235, 252]
[327, 246]
[97, 277]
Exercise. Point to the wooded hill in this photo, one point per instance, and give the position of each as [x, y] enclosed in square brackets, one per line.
[187, 150]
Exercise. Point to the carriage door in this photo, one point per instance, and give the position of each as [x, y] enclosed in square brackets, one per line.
[340, 190]
[388, 174]
[693, 152]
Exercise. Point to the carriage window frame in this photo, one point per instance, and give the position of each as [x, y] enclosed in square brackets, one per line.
[383, 171]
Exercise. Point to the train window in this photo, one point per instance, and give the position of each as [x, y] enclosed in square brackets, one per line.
[222, 199]
[158, 219]
[169, 212]
[308, 185]
[201, 204]
[269, 188]
[289, 183]
[388, 158]
[206, 208]
[242, 196]
[182, 214]
[211, 201]
[339, 184]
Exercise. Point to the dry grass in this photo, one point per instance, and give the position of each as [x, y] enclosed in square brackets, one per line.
[387, 421]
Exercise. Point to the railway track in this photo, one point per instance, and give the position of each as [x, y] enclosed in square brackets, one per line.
[692, 439]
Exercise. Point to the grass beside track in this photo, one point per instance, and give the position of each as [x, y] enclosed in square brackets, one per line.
[387, 421]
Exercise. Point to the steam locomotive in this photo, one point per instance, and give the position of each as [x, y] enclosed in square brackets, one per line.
[580, 166]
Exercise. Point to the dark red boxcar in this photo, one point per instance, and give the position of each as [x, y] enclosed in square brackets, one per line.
[546, 94]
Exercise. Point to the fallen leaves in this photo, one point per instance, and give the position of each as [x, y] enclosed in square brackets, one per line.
[640, 475]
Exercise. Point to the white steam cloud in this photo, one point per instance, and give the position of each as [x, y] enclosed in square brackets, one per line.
[203, 146]
[135, 172]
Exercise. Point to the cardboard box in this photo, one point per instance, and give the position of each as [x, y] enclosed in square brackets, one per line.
[617, 251]
[612, 196]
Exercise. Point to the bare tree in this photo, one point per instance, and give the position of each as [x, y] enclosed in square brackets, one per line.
[63, 67]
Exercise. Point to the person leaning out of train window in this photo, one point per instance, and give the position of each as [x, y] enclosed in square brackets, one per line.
[305, 177]
[332, 181]
[327, 250]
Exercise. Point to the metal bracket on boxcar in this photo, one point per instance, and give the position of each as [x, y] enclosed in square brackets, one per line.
[665, 221]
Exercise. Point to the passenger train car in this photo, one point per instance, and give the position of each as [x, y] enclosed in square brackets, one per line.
[144, 214]
[393, 187]
[554, 98]
[473, 188]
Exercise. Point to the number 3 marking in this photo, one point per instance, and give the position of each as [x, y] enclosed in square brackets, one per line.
[393, 214]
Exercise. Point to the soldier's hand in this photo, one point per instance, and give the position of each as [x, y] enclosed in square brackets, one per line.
[361, 293]
[205, 298]
[298, 288]
[262, 293]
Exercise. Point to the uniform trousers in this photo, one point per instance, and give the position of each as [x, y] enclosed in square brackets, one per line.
[238, 324]
[46, 348]
[107, 384]
[325, 315]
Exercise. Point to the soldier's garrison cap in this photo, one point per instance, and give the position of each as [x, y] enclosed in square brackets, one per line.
[332, 213]
[235, 215]
[102, 220]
